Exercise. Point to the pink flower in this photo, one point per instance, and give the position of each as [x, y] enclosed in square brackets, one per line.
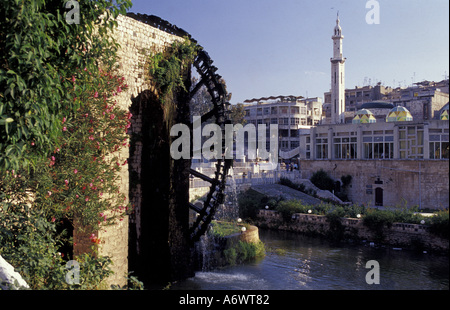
[112, 116]
[53, 158]
[67, 182]
[49, 193]
[77, 196]
[96, 95]
[129, 115]
[73, 79]
[53, 219]
[32, 143]
[64, 120]
[87, 199]
[64, 128]
[75, 171]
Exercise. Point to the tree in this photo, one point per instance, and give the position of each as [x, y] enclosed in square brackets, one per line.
[322, 180]
[238, 114]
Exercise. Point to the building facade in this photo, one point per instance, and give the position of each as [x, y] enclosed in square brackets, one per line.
[391, 140]
[424, 100]
[293, 115]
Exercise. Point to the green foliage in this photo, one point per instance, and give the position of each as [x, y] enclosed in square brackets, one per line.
[61, 132]
[250, 202]
[241, 252]
[222, 229]
[237, 114]
[79, 178]
[439, 224]
[346, 180]
[287, 208]
[377, 221]
[39, 53]
[322, 180]
[334, 218]
[167, 68]
[29, 242]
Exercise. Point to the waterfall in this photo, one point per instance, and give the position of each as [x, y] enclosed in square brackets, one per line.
[207, 247]
[229, 211]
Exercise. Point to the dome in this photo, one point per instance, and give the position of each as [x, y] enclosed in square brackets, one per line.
[444, 113]
[364, 116]
[399, 114]
[377, 105]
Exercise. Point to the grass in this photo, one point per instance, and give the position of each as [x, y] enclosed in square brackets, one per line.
[223, 229]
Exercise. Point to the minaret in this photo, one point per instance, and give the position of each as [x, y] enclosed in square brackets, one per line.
[337, 77]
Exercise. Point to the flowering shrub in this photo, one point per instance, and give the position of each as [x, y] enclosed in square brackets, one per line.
[79, 178]
[61, 133]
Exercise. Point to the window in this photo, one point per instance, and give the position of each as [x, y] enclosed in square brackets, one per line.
[439, 147]
[274, 120]
[295, 121]
[284, 121]
[266, 111]
[345, 148]
[294, 144]
[321, 148]
[273, 110]
[411, 142]
[378, 147]
[259, 111]
[295, 110]
[284, 110]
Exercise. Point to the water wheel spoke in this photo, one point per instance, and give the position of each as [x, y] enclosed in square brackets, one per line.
[202, 176]
[218, 93]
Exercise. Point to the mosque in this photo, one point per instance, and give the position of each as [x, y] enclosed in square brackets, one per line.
[393, 158]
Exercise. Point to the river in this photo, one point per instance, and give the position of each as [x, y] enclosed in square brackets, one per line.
[297, 262]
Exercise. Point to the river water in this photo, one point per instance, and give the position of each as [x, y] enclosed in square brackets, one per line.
[297, 262]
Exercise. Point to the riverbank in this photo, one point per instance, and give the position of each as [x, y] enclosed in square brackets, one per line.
[399, 235]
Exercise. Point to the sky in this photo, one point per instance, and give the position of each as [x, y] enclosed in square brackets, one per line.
[283, 47]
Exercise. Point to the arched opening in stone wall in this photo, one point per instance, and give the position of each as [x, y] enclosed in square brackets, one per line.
[159, 249]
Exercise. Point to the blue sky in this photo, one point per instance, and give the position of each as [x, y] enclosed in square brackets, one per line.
[283, 47]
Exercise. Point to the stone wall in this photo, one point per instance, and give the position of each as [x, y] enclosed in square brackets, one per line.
[423, 183]
[400, 234]
[138, 37]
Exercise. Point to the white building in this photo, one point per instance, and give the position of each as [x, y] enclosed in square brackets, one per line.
[294, 116]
